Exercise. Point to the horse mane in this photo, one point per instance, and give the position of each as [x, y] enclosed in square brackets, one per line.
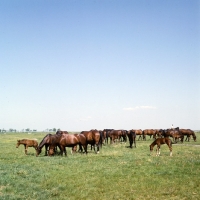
[41, 143]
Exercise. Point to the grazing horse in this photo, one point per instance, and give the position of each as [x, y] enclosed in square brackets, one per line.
[94, 138]
[69, 140]
[159, 142]
[27, 143]
[131, 136]
[47, 141]
[188, 133]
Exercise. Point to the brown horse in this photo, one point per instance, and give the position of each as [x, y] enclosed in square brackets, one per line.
[159, 142]
[188, 133]
[174, 133]
[69, 140]
[27, 143]
[107, 134]
[149, 132]
[47, 141]
[139, 133]
[131, 136]
[94, 138]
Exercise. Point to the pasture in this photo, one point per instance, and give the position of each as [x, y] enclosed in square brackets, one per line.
[117, 172]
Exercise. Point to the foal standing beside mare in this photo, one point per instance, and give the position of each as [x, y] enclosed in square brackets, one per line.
[27, 143]
[159, 142]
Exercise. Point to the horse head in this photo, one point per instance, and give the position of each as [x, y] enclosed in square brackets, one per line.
[38, 150]
[18, 143]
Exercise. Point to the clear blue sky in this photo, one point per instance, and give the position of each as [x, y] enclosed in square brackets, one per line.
[79, 65]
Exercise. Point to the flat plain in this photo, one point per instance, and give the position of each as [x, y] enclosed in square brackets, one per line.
[117, 172]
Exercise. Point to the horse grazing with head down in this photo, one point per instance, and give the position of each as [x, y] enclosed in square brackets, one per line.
[27, 143]
[48, 140]
[159, 142]
[69, 140]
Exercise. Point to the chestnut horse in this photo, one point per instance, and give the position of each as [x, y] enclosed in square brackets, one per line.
[149, 132]
[159, 142]
[94, 138]
[68, 140]
[27, 143]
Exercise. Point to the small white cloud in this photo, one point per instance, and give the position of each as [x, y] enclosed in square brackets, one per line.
[85, 118]
[139, 107]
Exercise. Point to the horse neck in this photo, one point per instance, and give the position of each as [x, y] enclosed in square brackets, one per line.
[43, 142]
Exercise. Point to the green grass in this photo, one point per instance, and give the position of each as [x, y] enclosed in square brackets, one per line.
[116, 172]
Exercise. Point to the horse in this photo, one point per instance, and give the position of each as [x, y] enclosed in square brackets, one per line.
[131, 136]
[159, 142]
[174, 133]
[158, 133]
[94, 138]
[116, 135]
[139, 133]
[69, 140]
[188, 133]
[61, 132]
[107, 131]
[27, 143]
[150, 132]
[47, 141]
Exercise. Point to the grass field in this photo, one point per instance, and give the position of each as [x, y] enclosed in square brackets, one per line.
[117, 172]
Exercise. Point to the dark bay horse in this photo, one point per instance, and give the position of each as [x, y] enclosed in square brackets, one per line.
[69, 140]
[94, 138]
[49, 139]
[107, 134]
[188, 133]
[174, 133]
[27, 143]
[116, 135]
[159, 142]
[131, 136]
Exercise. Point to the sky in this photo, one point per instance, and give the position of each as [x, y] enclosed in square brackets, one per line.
[95, 64]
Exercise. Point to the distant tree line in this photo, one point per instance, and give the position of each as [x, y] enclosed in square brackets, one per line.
[27, 130]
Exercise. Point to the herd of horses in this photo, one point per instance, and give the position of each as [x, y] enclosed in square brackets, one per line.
[96, 138]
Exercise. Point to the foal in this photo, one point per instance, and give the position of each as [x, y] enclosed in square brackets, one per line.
[27, 143]
[160, 141]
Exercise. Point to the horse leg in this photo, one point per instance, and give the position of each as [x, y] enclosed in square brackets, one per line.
[170, 148]
[158, 150]
[134, 141]
[97, 147]
[25, 148]
[85, 148]
[46, 149]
